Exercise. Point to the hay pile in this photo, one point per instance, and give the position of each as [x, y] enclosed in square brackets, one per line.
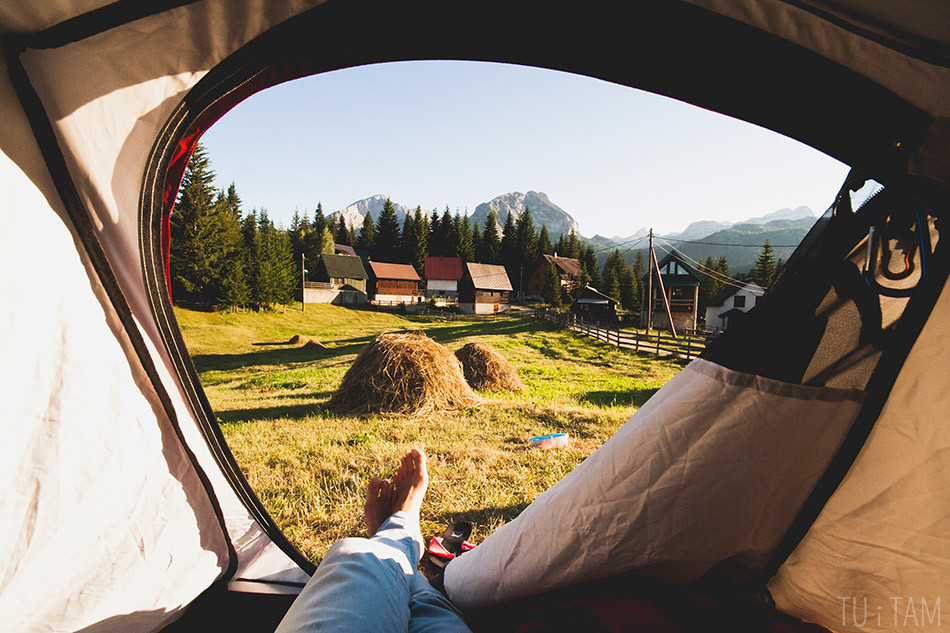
[308, 343]
[403, 373]
[488, 370]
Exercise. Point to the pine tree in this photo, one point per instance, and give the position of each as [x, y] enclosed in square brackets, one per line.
[722, 266]
[612, 275]
[464, 246]
[387, 234]
[202, 234]
[436, 239]
[415, 238]
[573, 246]
[544, 243]
[711, 283]
[509, 249]
[230, 284]
[319, 221]
[342, 233]
[526, 240]
[489, 249]
[764, 269]
[367, 239]
[552, 288]
[234, 201]
[420, 224]
[589, 259]
[272, 277]
[326, 242]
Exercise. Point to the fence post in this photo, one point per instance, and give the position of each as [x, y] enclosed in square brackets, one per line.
[658, 343]
[636, 341]
[689, 340]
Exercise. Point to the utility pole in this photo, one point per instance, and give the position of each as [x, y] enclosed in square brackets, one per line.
[650, 288]
[303, 282]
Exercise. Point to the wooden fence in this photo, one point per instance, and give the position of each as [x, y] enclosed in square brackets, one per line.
[688, 346]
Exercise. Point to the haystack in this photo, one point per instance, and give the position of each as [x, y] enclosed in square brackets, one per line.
[486, 369]
[297, 339]
[403, 373]
[313, 344]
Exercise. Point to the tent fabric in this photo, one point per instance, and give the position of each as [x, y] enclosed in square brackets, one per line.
[885, 533]
[101, 498]
[126, 103]
[712, 468]
[122, 505]
[919, 74]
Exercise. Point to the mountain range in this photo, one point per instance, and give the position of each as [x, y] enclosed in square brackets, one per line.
[739, 242]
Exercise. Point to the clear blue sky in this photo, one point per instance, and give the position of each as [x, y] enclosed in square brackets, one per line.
[461, 133]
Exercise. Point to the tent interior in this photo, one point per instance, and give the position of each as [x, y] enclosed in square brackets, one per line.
[124, 508]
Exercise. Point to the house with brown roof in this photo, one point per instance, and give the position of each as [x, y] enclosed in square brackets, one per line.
[394, 284]
[568, 270]
[484, 289]
[442, 277]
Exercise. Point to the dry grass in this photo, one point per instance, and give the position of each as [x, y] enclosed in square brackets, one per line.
[310, 466]
[487, 370]
[405, 373]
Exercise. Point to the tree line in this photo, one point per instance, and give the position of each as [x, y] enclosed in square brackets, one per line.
[222, 256]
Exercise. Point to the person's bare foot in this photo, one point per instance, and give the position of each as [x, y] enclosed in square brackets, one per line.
[410, 483]
[379, 503]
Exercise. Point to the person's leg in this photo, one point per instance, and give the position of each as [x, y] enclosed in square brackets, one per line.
[361, 584]
[373, 584]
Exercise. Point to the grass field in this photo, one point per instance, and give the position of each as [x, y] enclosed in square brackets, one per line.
[310, 467]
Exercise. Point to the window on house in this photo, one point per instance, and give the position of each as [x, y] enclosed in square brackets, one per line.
[739, 301]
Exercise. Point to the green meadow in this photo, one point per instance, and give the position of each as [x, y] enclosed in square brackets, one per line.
[310, 466]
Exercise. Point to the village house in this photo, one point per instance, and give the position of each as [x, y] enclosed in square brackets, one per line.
[484, 289]
[593, 305]
[681, 283]
[344, 249]
[339, 279]
[568, 270]
[442, 277]
[729, 303]
[394, 284]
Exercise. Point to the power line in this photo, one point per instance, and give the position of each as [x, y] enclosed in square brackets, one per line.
[673, 239]
[729, 281]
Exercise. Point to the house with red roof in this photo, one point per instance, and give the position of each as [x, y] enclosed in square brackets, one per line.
[442, 277]
[393, 284]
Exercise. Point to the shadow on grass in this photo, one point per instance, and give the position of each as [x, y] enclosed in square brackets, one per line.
[290, 411]
[614, 398]
[219, 362]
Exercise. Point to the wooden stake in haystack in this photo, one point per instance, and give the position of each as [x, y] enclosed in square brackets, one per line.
[403, 373]
[486, 369]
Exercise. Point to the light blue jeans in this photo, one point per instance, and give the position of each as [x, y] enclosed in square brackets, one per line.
[373, 585]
